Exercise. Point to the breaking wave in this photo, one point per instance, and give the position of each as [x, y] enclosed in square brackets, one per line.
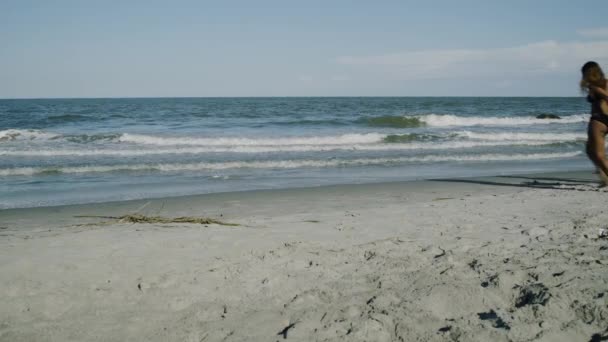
[26, 134]
[448, 120]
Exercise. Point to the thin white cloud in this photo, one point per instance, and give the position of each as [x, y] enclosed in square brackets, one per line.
[598, 32]
[536, 58]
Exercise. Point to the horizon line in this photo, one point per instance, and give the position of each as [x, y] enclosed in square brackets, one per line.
[268, 97]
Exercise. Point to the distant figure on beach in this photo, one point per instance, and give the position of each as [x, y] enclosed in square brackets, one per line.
[593, 83]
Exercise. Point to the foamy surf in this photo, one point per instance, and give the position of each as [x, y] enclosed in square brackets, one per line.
[283, 164]
[454, 120]
[274, 149]
[173, 144]
[343, 139]
[25, 134]
[522, 136]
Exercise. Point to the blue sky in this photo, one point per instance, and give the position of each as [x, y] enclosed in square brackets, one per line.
[298, 48]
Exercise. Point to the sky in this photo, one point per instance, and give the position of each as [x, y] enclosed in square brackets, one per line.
[186, 48]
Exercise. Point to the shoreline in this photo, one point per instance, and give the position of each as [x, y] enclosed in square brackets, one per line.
[416, 185]
[573, 170]
[492, 258]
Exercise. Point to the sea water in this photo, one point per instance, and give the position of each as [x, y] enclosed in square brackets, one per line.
[67, 151]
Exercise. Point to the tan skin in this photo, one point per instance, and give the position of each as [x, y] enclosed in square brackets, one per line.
[596, 149]
[602, 94]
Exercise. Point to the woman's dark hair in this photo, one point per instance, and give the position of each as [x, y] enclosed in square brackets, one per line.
[593, 76]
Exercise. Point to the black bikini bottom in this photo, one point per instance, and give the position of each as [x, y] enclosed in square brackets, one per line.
[601, 118]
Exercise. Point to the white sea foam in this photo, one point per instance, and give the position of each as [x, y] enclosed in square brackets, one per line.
[450, 145]
[284, 164]
[345, 139]
[25, 134]
[453, 120]
[522, 136]
[353, 139]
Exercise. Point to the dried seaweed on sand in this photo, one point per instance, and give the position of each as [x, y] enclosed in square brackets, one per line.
[136, 218]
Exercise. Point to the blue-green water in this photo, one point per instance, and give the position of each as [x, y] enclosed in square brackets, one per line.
[64, 151]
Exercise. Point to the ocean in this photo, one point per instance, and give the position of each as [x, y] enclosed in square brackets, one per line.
[69, 151]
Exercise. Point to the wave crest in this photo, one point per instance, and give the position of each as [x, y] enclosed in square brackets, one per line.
[394, 121]
[522, 136]
[26, 134]
[345, 139]
[448, 120]
[391, 146]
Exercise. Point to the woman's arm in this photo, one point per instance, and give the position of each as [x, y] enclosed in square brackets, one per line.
[602, 95]
[600, 91]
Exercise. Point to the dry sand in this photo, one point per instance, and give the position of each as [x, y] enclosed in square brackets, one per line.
[492, 259]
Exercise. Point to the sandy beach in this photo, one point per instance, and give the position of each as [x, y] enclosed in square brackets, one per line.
[511, 258]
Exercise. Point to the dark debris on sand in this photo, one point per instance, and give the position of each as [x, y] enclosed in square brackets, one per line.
[136, 218]
[532, 294]
[496, 321]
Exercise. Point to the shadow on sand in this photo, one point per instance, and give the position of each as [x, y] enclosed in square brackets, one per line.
[532, 182]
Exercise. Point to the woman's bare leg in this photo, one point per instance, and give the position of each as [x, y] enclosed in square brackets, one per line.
[603, 178]
[596, 149]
